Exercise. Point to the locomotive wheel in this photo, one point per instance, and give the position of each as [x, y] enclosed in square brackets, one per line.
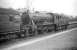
[45, 29]
[21, 34]
[31, 32]
[11, 36]
[39, 31]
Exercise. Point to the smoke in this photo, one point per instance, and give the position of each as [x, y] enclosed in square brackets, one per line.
[68, 7]
[58, 6]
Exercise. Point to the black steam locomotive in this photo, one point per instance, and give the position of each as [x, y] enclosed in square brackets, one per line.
[16, 26]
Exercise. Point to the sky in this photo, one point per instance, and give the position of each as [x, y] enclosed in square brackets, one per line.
[68, 7]
[13, 3]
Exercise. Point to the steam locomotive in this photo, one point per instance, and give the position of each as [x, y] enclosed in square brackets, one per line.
[12, 27]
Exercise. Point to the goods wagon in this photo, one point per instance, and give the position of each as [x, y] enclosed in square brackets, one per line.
[61, 22]
[8, 24]
[7, 27]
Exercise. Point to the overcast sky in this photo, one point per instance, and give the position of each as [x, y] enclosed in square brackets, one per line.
[68, 7]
